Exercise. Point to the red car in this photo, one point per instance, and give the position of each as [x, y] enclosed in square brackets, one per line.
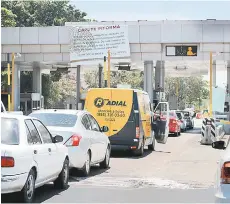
[174, 123]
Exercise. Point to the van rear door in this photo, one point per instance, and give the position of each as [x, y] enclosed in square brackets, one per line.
[121, 108]
[161, 122]
[96, 103]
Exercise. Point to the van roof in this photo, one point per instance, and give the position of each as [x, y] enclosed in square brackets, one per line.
[135, 90]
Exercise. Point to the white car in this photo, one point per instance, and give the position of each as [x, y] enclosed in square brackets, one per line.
[86, 141]
[30, 157]
[222, 186]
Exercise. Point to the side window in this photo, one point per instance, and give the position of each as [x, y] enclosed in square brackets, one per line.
[85, 121]
[95, 126]
[46, 137]
[32, 133]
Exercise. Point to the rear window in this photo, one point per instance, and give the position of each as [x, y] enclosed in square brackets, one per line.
[9, 131]
[56, 119]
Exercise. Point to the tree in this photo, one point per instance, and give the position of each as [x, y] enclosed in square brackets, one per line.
[191, 90]
[42, 13]
[7, 18]
[135, 79]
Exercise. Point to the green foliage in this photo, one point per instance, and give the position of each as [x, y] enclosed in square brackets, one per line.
[135, 79]
[7, 18]
[40, 13]
[191, 89]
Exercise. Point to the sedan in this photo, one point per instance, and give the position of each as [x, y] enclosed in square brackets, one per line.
[174, 123]
[30, 157]
[86, 141]
[222, 186]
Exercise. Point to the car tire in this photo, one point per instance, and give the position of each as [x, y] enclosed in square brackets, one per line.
[25, 195]
[62, 181]
[105, 163]
[87, 166]
[140, 151]
[151, 147]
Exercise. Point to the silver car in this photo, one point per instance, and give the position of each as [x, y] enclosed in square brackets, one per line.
[183, 125]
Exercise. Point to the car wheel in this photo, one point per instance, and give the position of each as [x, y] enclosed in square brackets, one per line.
[86, 168]
[62, 181]
[105, 163]
[152, 146]
[27, 193]
[140, 151]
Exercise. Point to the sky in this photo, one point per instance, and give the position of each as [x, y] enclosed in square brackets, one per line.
[157, 10]
[154, 10]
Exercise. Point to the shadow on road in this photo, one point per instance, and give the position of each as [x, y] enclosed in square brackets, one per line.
[75, 175]
[195, 130]
[41, 194]
[129, 154]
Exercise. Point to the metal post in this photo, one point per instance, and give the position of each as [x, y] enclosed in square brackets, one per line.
[108, 68]
[210, 87]
[78, 78]
[177, 92]
[8, 74]
[105, 72]
[100, 75]
[148, 77]
[13, 81]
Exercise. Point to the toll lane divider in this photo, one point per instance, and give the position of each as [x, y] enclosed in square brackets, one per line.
[210, 131]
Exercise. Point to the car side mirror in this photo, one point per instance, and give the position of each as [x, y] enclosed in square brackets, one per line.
[218, 145]
[104, 129]
[57, 139]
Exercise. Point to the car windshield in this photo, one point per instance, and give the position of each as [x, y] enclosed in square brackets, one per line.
[186, 114]
[9, 131]
[56, 119]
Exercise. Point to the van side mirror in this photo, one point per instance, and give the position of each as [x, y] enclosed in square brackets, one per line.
[218, 145]
[104, 129]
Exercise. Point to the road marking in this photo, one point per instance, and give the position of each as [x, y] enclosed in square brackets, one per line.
[125, 182]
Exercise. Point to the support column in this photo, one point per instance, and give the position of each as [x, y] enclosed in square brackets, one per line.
[148, 79]
[17, 74]
[227, 99]
[78, 87]
[37, 78]
[214, 73]
[160, 78]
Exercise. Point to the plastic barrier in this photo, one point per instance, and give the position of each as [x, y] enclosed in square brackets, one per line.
[210, 132]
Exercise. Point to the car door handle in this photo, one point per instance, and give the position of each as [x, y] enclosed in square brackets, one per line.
[114, 130]
[35, 151]
[49, 149]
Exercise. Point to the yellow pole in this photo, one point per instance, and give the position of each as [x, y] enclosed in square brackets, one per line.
[13, 72]
[8, 73]
[105, 72]
[210, 86]
[108, 68]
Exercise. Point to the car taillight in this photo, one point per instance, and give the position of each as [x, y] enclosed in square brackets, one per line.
[225, 173]
[137, 132]
[7, 162]
[74, 140]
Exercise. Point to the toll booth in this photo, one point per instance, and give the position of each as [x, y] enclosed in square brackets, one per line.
[30, 102]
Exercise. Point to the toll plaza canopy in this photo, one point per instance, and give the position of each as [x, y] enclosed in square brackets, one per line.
[184, 46]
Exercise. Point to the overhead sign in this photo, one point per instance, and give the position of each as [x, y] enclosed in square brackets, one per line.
[89, 43]
[181, 50]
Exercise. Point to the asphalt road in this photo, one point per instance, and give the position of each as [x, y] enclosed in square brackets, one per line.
[180, 171]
